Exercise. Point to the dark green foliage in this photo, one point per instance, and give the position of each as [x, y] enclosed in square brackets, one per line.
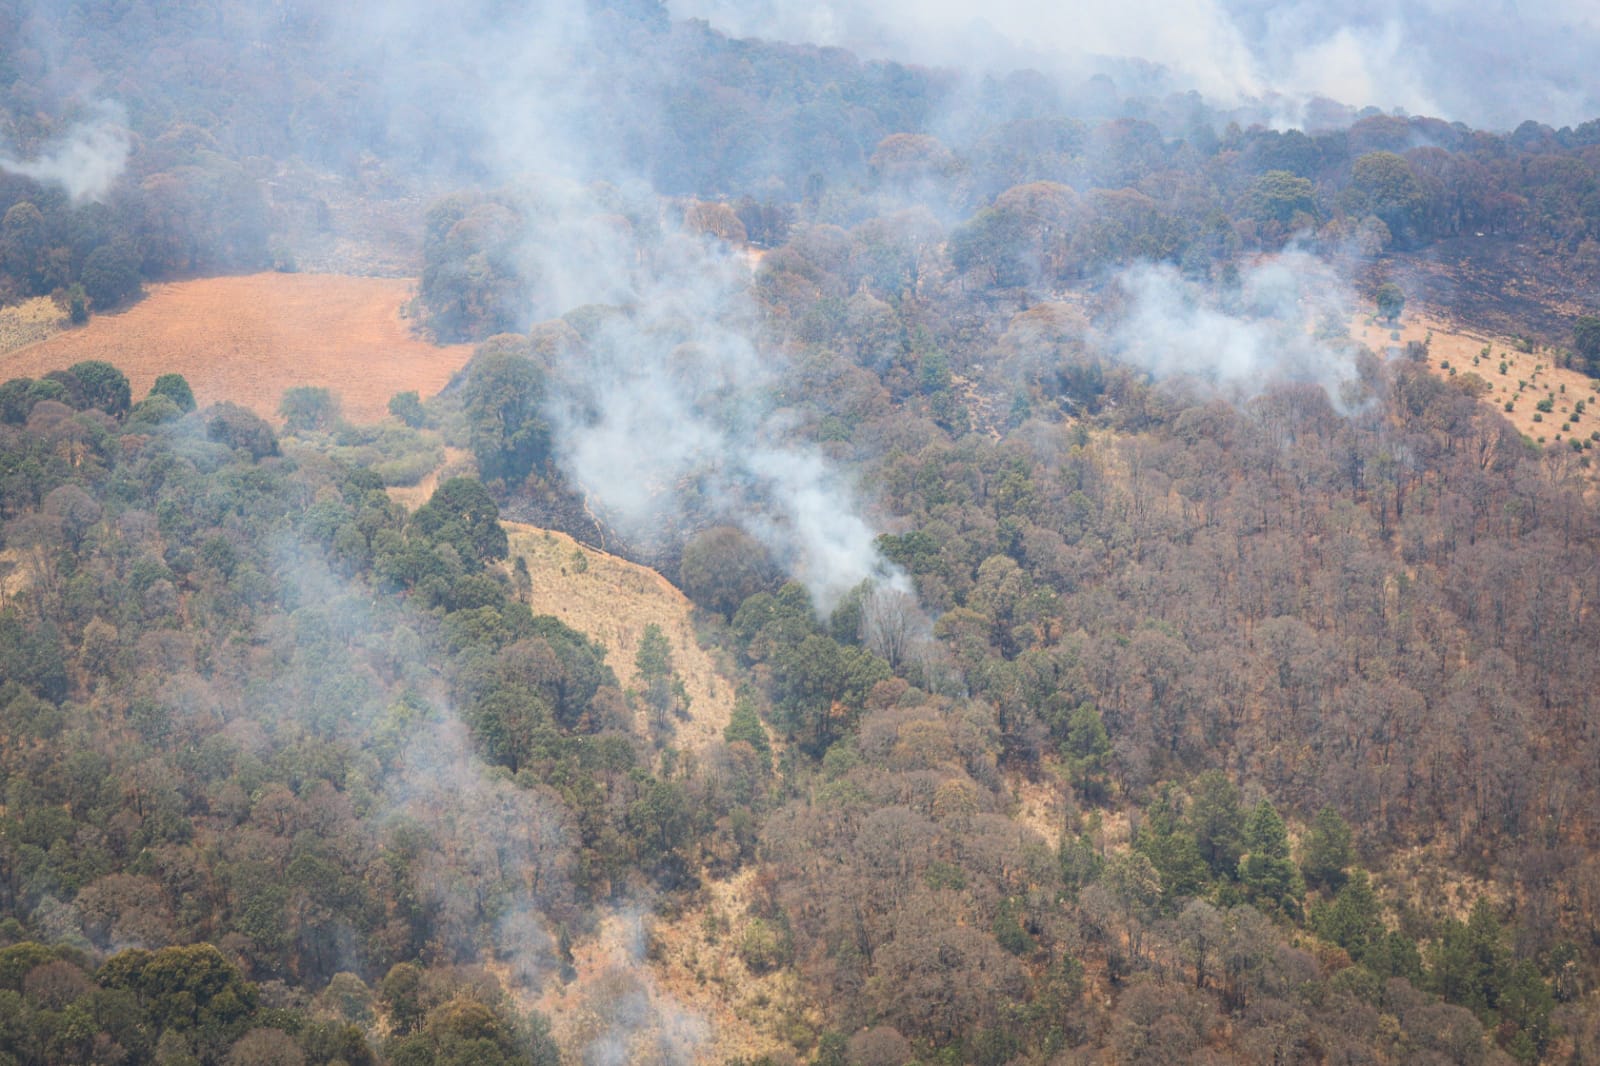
[1281, 197]
[187, 988]
[241, 429]
[462, 514]
[819, 687]
[111, 275]
[722, 567]
[465, 1031]
[17, 397]
[1391, 301]
[502, 403]
[766, 946]
[1085, 751]
[1354, 920]
[1080, 863]
[1268, 875]
[1471, 960]
[104, 386]
[1167, 840]
[662, 689]
[1218, 820]
[1526, 1003]
[744, 726]
[1382, 184]
[32, 656]
[1329, 851]
[1008, 930]
[309, 409]
[175, 388]
[407, 407]
[471, 287]
[992, 244]
[1586, 344]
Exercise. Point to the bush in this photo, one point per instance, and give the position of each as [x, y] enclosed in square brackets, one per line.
[309, 409]
[239, 427]
[174, 387]
[765, 947]
[407, 407]
[103, 386]
[111, 274]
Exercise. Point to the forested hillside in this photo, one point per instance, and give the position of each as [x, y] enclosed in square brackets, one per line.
[1095, 654]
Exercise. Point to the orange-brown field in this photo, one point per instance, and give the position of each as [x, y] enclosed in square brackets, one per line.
[247, 339]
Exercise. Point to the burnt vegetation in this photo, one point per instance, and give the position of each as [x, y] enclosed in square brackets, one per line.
[1258, 729]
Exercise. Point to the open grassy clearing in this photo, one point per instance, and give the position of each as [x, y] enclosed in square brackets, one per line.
[247, 339]
[30, 322]
[1518, 378]
[612, 601]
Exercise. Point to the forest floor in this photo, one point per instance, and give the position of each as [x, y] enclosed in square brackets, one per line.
[246, 339]
[650, 988]
[1509, 286]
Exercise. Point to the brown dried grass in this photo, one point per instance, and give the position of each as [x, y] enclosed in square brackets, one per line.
[1457, 347]
[246, 339]
[612, 601]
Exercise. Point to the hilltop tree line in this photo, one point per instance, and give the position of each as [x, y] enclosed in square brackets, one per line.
[1031, 183]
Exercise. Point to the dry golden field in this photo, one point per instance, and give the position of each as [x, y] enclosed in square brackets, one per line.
[247, 339]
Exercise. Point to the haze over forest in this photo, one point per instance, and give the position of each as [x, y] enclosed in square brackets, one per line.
[1000, 535]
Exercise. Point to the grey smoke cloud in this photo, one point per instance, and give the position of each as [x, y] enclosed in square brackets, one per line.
[1488, 64]
[670, 411]
[1174, 327]
[86, 160]
[674, 408]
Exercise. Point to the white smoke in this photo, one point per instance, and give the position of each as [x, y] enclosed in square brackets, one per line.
[1492, 64]
[1264, 333]
[86, 160]
[624, 1017]
[673, 411]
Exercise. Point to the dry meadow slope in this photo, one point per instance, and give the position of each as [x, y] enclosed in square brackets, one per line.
[612, 601]
[247, 339]
[1528, 378]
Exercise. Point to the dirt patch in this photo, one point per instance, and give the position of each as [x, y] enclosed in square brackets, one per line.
[612, 601]
[13, 576]
[651, 989]
[247, 339]
[1041, 805]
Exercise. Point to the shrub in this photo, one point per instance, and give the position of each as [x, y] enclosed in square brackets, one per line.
[174, 387]
[309, 408]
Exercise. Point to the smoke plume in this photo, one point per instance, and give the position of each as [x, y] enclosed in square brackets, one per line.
[1492, 65]
[1257, 334]
[674, 410]
[86, 161]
